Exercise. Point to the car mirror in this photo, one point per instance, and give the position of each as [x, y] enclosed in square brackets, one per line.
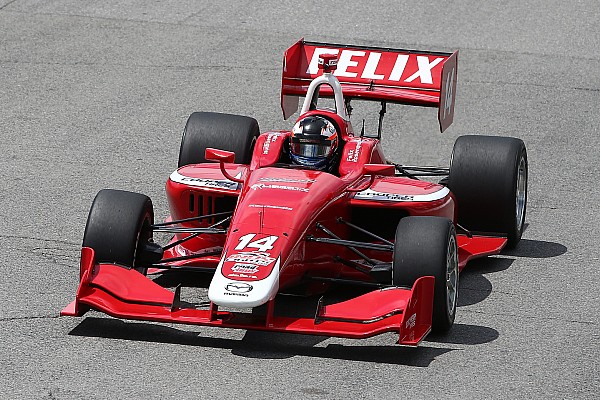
[219, 155]
[379, 169]
[374, 170]
[222, 156]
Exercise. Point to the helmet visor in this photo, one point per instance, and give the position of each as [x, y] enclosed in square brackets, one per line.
[308, 149]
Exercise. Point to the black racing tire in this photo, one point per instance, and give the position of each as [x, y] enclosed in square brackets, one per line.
[119, 228]
[488, 177]
[229, 132]
[426, 246]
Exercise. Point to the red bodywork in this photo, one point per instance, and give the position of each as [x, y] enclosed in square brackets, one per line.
[276, 210]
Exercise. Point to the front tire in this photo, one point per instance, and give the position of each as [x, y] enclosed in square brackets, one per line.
[119, 229]
[229, 132]
[426, 246]
[488, 177]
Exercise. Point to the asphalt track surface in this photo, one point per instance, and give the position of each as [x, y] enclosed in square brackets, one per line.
[95, 95]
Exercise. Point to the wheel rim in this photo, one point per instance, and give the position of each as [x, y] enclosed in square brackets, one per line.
[451, 275]
[521, 194]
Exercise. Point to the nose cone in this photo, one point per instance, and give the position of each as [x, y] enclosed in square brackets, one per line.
[274, 211]
[234, 293]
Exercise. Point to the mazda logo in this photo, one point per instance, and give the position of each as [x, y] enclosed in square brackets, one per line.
[238, 287]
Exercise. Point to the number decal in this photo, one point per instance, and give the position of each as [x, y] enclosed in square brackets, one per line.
[244, 241]
[263, 245]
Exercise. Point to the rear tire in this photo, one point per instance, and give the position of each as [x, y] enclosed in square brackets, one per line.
[119, 229]
[229, 132]
[426, 246]
[488, 176]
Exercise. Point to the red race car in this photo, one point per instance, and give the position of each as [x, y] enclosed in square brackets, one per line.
[300, 211]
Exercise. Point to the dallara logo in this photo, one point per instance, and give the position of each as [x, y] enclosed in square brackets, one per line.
[238, 287]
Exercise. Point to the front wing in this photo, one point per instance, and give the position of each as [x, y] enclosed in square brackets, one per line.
[126, 293]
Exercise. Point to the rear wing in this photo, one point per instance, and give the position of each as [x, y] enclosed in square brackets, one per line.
[412, 77]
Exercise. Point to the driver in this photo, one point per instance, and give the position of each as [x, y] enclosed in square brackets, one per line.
[313, 143]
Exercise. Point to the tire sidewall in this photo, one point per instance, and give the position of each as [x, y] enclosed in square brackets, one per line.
[483, 179]
[229, 132]
[117, 225]
[421, 249]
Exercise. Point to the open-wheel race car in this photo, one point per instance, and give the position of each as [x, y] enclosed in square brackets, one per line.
[300, 211]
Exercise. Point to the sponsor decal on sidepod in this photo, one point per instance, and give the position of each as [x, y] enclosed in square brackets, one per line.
[204, 182]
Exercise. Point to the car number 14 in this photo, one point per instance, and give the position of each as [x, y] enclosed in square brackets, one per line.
[263, 245]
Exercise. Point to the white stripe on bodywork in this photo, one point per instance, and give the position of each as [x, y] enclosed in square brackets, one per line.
[370, 194]
[204, 182]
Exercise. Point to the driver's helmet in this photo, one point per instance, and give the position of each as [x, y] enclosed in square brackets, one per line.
[313, 142]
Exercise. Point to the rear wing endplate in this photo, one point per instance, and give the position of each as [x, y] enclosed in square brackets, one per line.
[412, 77]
